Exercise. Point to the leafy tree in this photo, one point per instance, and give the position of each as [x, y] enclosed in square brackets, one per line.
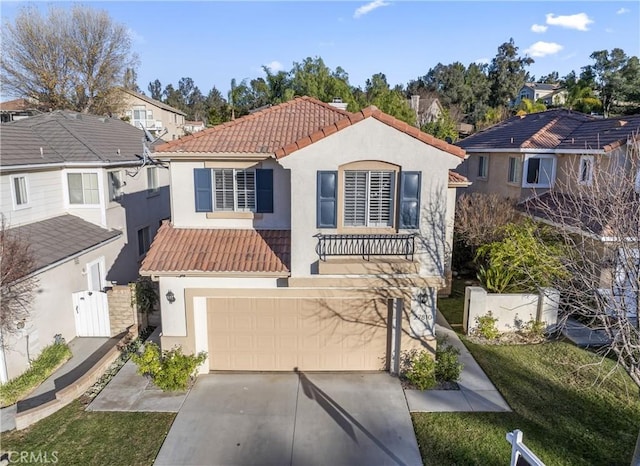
[449, 82]
[527, 106]
[477, 81]
[551, 78]
[391, 101]
[70, 59]
[313, 78]
[218, 111]
[155, 89]
[507, 74]
[173, 97]
[445, 127]
[612, 77]
[196, 104]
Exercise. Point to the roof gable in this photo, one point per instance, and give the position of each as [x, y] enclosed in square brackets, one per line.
[154, 102]
[285, 128]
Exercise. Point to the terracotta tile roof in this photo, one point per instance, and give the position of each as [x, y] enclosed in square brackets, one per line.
[457, 179]
[184, 250]
[285, 128]
[543, 130]
[16, 105]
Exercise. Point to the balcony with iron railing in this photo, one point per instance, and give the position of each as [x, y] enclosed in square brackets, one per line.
[366, 253]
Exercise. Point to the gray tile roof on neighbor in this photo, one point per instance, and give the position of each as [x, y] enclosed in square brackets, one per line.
[543, 130]
[69, 137]
[603, 133]
[60, 237]
[543, 86]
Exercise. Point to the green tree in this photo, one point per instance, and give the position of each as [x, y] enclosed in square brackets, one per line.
[130, 80]
[173, 97]
[507, 74]
[444, 127]
[611, 76]
[390, 101]
[218, 111]
[155, 89]
[527, 106]
[313, 78]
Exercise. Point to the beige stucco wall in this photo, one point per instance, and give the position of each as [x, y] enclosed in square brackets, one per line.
[369, 140]
[52, 309]
[183, 210]
[170, 120]
[497, 175]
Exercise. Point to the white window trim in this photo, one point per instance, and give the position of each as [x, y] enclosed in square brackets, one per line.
[517, 181]
[235, 190]
[591, 160]
[14, 200]
[138, 240]
[153, 191]
[122, 185]
[103, 272]
[525, 169]
[65, 185]
[486, 167]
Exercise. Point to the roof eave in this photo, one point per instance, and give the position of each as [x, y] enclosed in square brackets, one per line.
[201, 273]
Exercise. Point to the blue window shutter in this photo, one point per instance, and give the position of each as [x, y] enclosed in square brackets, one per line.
[410, 200]
[326, 203]
[202, 185]
[264, 191]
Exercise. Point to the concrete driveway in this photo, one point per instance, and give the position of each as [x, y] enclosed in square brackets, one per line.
[292, 419]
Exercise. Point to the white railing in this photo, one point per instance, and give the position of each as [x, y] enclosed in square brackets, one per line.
[520, 450]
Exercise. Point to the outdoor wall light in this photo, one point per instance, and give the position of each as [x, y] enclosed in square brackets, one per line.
[170, 297]
[423, 297]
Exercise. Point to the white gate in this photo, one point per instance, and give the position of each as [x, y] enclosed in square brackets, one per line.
[91, 311]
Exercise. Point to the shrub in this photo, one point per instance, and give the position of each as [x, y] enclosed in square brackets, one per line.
[421, 370]
[170, 370]
[145, 295]
[535, 328]
[448, 368]
[487, 326]
[42, 367]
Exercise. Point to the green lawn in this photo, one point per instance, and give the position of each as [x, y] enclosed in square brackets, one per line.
[81, 437]
[569, 412]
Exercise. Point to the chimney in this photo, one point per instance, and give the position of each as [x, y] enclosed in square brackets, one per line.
[415, 103]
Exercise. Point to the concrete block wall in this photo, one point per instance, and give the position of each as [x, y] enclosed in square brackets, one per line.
[513, 310]
[122, 313]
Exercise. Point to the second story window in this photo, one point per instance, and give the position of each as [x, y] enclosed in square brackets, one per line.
[368, 198]
[483, 164]
[585, 174]
[539, 172]
[139, 119]
[83, 188]
[152, 179]
[20, 192]
[515, 170]
[233, 190]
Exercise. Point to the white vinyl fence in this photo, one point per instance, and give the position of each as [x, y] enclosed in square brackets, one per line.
[520, 453]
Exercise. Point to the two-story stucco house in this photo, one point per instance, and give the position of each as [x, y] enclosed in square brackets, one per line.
[304, 236]
[160, 119]
[549, 94]
[73, 188]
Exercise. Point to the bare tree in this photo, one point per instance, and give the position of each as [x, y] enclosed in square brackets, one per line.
[17, 286]
[599, 223]
[71, 60]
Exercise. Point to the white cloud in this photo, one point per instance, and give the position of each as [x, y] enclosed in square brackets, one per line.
[542, 49]
[540, 28]
[579, 21]
[274, 66]
[623, 11]
[482, 61]
[609, 30]
[369, 7]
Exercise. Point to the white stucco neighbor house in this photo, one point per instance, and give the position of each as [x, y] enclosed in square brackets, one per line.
[72, 187]
[304, 236]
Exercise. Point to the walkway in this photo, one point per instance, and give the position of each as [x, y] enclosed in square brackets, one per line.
[128, 391]
[477, 392]
[86, 353]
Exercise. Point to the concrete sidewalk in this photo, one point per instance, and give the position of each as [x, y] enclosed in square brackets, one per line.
[128, 391]
[477, 392]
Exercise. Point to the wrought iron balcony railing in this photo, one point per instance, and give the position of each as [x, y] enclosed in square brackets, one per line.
[365, 245]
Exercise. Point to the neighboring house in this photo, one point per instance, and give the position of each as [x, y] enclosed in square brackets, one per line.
[17, 109]
[526, 157]
[428, 109]
[191, 127]
[304, 236]
[72, 186]
[549, 94]
[160, 119]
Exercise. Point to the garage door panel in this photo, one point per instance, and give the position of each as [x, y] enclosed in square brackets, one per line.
[311, 334]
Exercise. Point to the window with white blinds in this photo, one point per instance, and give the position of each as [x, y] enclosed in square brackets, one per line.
[368, 198]
[234, 190]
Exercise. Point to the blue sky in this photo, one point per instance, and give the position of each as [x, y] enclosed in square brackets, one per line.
[213, 42]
